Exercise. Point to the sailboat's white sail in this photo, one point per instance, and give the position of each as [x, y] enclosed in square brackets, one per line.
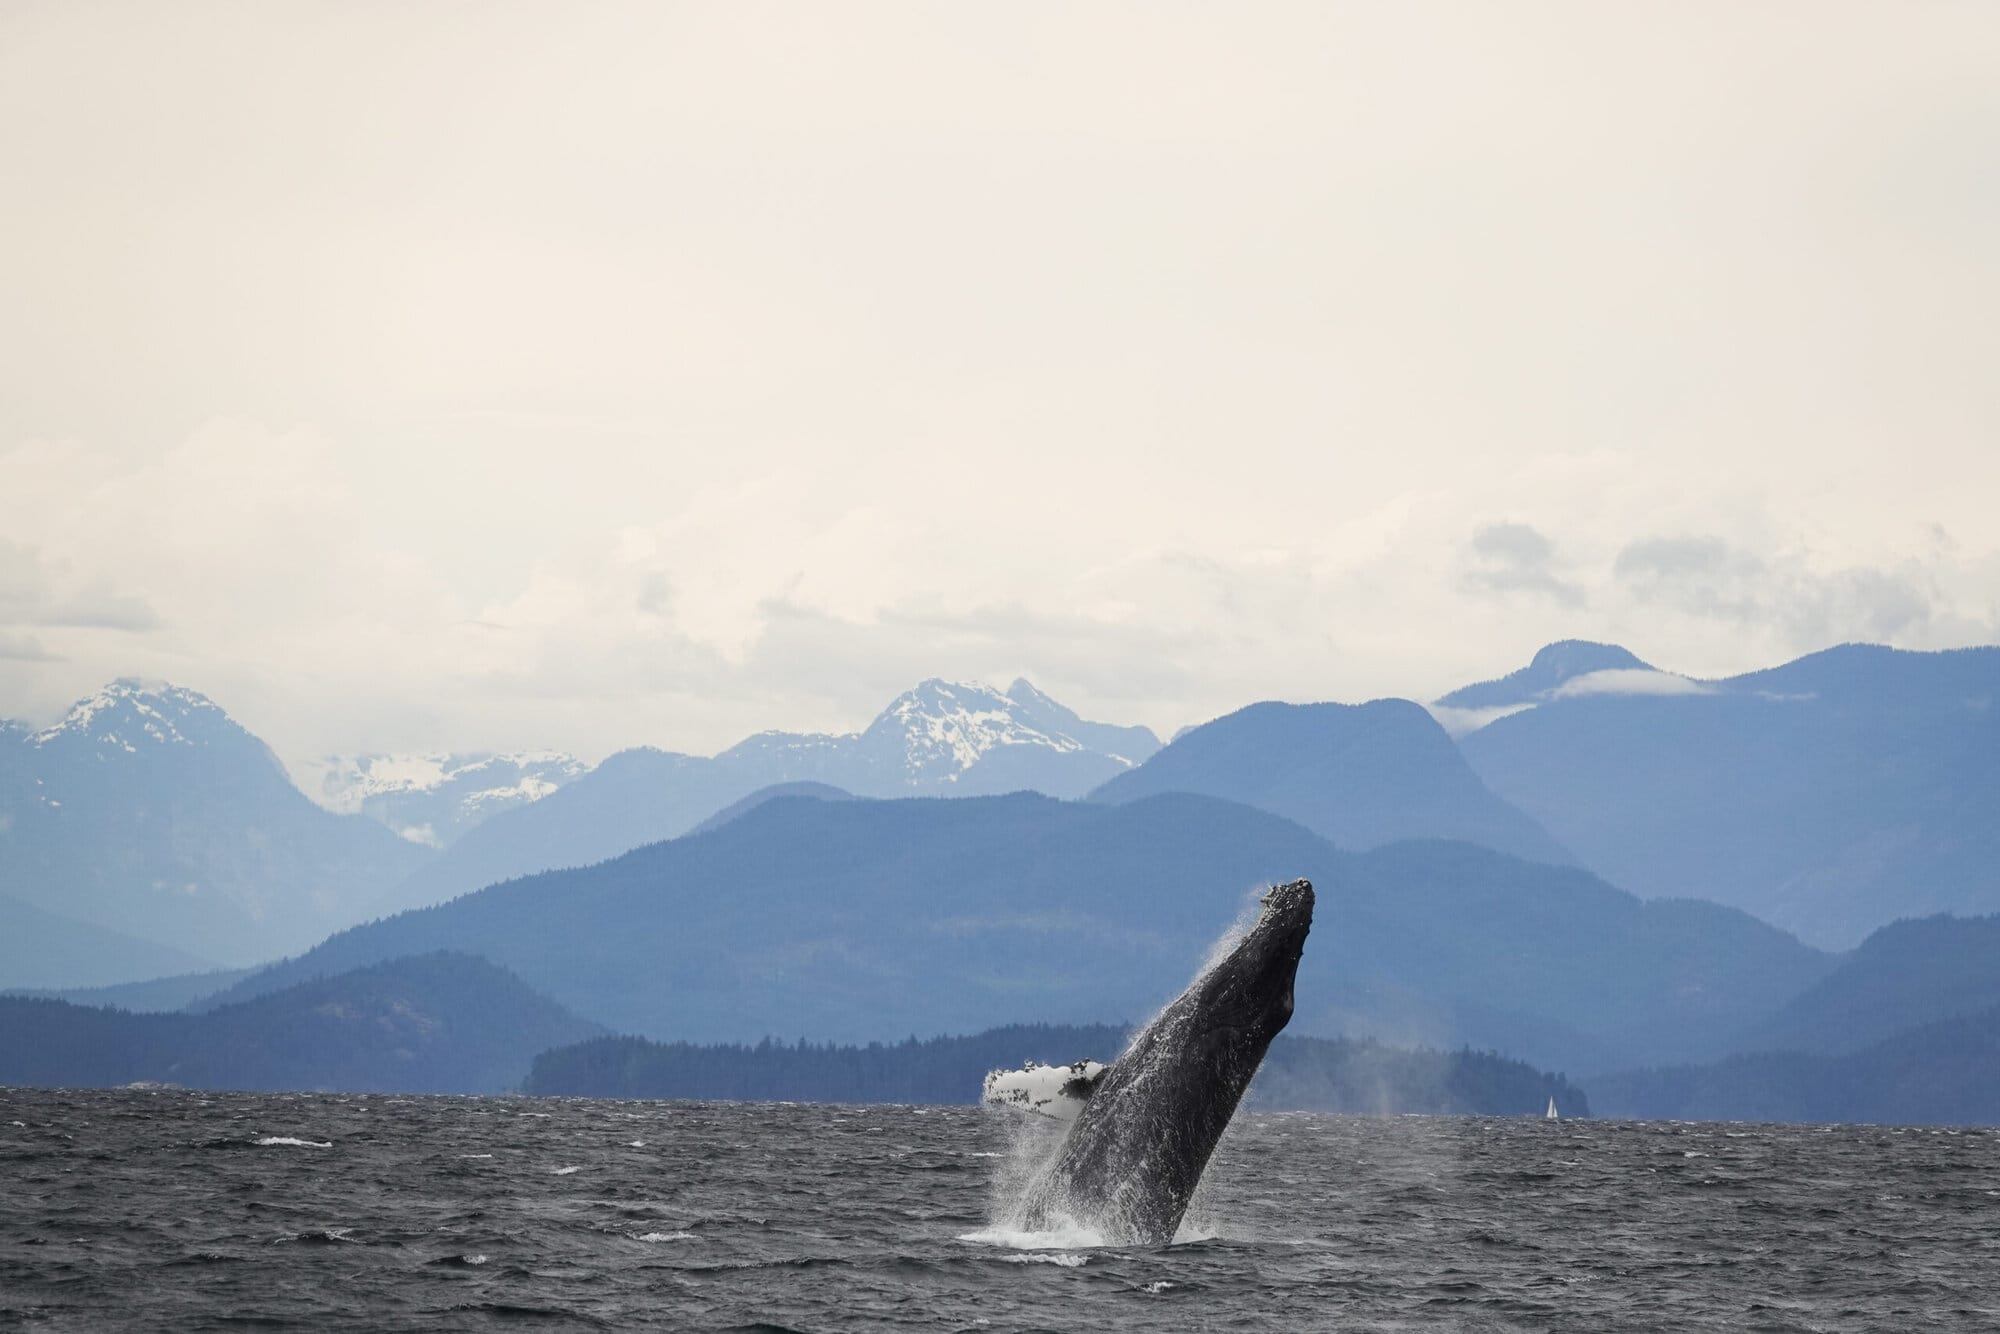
[1551, 1114]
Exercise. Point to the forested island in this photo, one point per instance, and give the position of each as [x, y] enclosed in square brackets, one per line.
[1299, 1074]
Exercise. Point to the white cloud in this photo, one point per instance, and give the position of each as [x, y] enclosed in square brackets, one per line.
[1464, 722]
[1629, 681]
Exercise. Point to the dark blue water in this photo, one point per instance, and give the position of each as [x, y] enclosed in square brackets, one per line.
[129, 1210]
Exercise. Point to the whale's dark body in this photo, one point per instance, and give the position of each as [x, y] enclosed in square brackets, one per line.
[1131, 1162]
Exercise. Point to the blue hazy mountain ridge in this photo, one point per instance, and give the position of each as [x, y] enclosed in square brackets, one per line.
[634, 797]
[155, 995]
[857, 920]
[1360, 775]
[738, 809]
[938, 738]
[1829, 796]
[1553, 666]
[1904, 976]
[148, 811]
[1942, 1073]
[439, 1023]
[45, 949]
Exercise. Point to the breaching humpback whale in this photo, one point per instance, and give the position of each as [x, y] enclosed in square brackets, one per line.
[1130, 1162]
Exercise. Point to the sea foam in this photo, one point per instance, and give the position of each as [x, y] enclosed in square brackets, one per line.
[1069, 1238]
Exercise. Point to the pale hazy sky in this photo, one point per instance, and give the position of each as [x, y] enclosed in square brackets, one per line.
[409, 375]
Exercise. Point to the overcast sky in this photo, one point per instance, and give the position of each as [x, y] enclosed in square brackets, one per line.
[416, 375]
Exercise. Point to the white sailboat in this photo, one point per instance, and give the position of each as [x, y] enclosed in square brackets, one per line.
[1551, 1114]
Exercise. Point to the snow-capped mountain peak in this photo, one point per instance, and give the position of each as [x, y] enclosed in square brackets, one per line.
[946, 727]
[956, 737]
[130, 713]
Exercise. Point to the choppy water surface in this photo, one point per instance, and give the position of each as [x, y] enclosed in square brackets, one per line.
[170, 1210]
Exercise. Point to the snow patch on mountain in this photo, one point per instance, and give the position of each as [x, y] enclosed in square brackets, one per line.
[531, 787]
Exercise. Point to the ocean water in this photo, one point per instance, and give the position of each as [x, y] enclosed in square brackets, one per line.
[168, 1210]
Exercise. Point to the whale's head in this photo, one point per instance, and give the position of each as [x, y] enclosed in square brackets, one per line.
[1245, 999]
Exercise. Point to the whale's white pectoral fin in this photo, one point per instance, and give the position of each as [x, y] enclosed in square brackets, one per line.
[1057, 1091]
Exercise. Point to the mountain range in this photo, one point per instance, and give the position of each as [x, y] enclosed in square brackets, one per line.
[1829, 796]
[1567, 864]
[1359, 775]
[940, 738]
[148, 812]
[849, 920]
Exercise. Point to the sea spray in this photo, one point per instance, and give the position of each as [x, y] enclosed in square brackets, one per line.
[1031, 1140]
[1247, 912]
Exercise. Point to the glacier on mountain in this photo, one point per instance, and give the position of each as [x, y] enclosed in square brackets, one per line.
[432, 797]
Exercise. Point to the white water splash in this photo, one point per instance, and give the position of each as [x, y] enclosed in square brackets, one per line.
[295, 1143]
[1051, 1239]
[1031, 1142]
[1067, 1259]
